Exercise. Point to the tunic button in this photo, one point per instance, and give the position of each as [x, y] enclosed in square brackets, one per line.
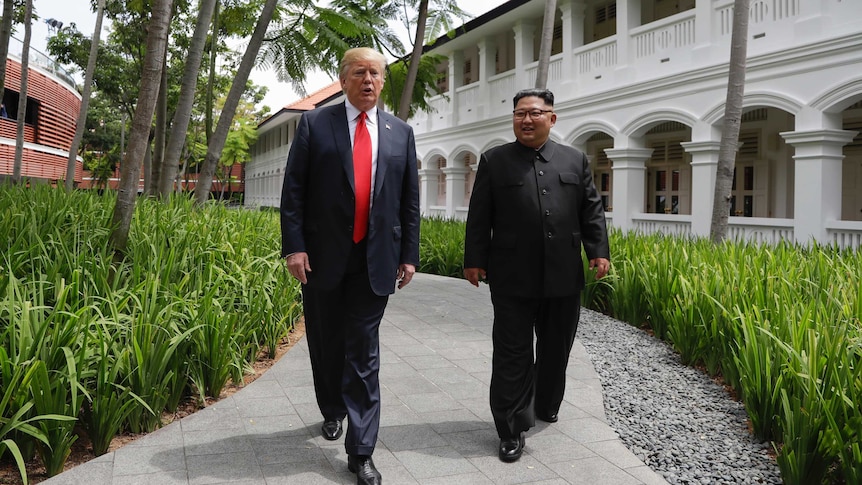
[547, 212]
[541, 172]
[550, 234]
[544, 191]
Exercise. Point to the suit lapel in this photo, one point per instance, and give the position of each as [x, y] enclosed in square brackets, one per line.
[341, 134]
[384, 146]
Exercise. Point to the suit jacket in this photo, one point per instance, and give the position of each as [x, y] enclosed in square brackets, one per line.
[530, 213]
[317, 199]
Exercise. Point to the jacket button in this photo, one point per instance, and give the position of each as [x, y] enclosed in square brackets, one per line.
[550, 234]
[544, 191]
[541, 172]
[547, 212]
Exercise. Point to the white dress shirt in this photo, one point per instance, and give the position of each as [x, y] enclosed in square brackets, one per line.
[371, 124]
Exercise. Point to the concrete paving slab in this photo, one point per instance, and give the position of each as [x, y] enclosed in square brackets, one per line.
[436, 426]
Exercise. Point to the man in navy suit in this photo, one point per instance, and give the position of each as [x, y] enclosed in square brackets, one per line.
[350, 234]
[533, 207]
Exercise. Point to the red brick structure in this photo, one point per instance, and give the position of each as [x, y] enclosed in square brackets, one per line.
[53, 103]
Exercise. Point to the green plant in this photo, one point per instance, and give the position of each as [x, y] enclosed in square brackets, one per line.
[441, 247]
[111, 401]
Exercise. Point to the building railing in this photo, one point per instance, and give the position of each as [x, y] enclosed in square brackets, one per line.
[674, 32]
[844, 234]
[677, 225]
[555, 70]
[41, 60]
[502, 85]
[760, 229]
[597, 57]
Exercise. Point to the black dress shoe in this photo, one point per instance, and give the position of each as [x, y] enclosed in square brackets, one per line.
[331, 430]
[363, 467]
[548, 418]
[511, 449]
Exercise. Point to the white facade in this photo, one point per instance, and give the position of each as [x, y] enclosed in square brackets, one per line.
[640, 86]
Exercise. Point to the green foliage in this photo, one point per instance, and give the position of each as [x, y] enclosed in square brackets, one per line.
[423, 90]
[206, 290]
[121, 343]
[441, 247]
[782, 325]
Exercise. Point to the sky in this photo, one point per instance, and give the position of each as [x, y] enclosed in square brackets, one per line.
[279, 95]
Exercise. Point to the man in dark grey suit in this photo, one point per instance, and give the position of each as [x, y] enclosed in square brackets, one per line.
[533, 207]
[350, 233]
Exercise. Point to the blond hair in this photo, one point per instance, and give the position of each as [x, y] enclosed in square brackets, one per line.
[358, 54]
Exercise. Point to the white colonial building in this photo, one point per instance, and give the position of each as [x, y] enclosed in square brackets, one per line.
[640, 87]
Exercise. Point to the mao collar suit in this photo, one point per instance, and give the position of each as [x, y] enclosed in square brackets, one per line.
[531, 213]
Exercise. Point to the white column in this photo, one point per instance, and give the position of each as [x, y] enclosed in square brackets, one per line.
[456, 80]
[704, 166]
[817, 180]
[428, 178]
[628, 17]
[487, 68]
[565, 7]
[811, 21]
[577, 13]
[455, 179]
[704, 12]
[628, 166]
[524, 42]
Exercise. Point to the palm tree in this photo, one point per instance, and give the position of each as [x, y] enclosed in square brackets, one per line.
[5, 34]
[130, 169]
[415, 56]
[183, 112]
[545, 46]
[430, 24]
[22, 101]
[732, 119]
[85, 97]
[216, 142]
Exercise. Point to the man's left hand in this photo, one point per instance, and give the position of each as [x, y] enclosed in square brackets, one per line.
[601, 265]
[405, 274]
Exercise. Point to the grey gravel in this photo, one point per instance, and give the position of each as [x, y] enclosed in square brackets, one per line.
[675, 418]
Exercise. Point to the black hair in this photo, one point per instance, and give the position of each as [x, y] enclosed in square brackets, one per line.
[546, 95]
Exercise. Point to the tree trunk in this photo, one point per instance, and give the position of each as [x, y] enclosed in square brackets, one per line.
[732, 120]
[216, 143]
[183, 113]
[208, 115]
[148, 162]
[85, 97]
[157, 37]
[22, 98]
[161, 128]
[415, 58]
[5, 35]
[545, 46]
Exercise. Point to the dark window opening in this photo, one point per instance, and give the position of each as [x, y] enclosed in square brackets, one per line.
[11, 99]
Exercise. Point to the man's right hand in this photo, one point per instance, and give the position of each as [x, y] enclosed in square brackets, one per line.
[297, 265]
[473, 275]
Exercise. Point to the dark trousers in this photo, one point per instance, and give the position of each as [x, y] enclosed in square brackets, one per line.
[521, 386]
[341, 326]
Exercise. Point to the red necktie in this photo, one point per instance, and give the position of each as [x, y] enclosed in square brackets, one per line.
[362, 178]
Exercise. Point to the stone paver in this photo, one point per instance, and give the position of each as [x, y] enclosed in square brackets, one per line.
[436, 427]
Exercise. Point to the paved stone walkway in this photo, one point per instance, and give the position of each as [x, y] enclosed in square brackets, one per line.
[436, 427]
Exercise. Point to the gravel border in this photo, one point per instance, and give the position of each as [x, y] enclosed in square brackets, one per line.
[675, 418]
